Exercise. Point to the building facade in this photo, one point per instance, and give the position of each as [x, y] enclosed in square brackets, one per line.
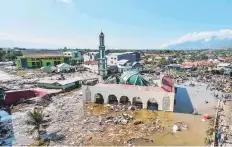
[76, 57]
[91, 56]
[126, 65]
[113, 58]
[40, 61]
[145, 97]
[133, 89]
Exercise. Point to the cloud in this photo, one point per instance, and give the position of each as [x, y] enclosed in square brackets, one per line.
[65, 1]
[226, 33]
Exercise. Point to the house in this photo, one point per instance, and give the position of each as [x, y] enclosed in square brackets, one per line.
[222, 68]
[223, 65]
[177, 66]
[76, 57]
[113, 58]
[126, 65]
[91, 56]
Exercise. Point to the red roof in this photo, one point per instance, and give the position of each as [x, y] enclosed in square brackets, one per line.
[196, 63]
[90, 62]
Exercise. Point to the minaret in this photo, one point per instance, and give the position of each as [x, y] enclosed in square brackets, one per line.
[102, 68]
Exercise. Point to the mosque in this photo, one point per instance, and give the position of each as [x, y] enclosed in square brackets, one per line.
[131, 89]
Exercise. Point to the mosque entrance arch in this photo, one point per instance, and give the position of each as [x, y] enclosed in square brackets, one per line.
[137, 102]
[99, 98]
[124, 100]
[152, 104]
[112, 99]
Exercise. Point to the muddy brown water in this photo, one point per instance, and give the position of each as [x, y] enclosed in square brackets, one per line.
[194, 136]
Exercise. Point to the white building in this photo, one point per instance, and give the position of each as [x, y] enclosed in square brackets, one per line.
[126, 65]
[91, 56]
[223, 65]
[113, 58]
[142, 96]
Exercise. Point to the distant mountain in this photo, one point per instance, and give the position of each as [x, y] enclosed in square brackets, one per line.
[211, 42]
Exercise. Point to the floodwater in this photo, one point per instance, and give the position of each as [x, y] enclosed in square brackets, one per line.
[194, 136]
[187, 98]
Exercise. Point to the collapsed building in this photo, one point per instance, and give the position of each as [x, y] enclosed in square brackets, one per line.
[133, 89]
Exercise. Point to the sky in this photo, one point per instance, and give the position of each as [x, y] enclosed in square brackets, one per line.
[127, 24]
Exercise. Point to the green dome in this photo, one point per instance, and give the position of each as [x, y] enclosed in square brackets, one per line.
[133, 78]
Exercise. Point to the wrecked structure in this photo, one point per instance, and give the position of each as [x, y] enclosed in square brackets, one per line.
[135, 90]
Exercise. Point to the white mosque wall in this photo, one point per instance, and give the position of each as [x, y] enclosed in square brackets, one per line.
[131, 93]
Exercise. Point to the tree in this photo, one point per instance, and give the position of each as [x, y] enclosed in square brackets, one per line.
[36, 119]
[162, 61]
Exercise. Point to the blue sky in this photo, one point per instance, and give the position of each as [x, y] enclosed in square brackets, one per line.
[126, 23]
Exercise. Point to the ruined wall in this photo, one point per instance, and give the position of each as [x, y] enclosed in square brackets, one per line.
[160, 97]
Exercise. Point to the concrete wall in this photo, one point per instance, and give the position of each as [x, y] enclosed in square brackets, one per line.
[112, 60]
[130, 93]
[90, 57]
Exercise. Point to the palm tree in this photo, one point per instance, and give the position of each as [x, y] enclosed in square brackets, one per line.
[36, 119]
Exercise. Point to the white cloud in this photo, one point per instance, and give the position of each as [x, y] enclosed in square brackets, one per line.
[226, 33]
[65, 1]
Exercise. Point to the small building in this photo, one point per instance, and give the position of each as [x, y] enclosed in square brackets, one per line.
[76, 57]
[223, 65]
[91, 56]
[126, 65]
[60, 84]
[40, 61]
[113, 58]
[175, 66]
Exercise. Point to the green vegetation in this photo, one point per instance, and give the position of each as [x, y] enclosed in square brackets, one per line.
[35, 119]
[210, 133]
[9, 54]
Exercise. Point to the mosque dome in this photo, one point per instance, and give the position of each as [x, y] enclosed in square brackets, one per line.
[133, 78]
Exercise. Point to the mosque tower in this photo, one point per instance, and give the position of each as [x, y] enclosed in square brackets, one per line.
[102, 67]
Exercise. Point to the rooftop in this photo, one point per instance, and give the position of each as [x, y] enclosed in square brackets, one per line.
[139, 88]
[91, 53]
[117, 54]
[28, 53]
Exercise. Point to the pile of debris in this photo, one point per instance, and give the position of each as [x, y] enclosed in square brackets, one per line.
[120, 134]
[120, 119]
[179, 126]
[119, 107]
